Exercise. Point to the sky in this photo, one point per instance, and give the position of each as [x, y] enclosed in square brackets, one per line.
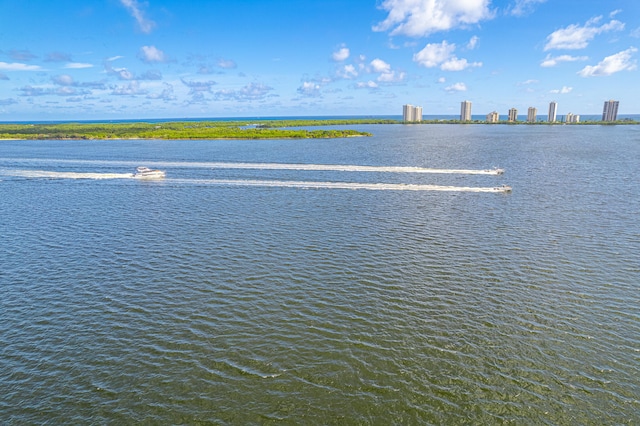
[134, 59]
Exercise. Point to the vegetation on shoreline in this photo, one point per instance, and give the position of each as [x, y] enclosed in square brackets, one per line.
[174, 130]
[258, 129]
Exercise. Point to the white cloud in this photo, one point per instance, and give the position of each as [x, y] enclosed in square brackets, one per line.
[442, 80]
[578, 37]
[14, 66]
[550, 61]
[379, 65]
[132, 89]
[611, 64]
[309, 89]
[524, 7]
[146, 25]
[441, 54]
[419, 18]
[564, 90]
[391, 77]
[348, 71]
[369, 84]
[387, 75]
[456, 87]
[455, 64]
[150, 54]
[434, 54]
[472, 43]
[341, 55]
[77, 65]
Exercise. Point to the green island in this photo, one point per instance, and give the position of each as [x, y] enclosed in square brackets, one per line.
[267, 129]
[255, 129]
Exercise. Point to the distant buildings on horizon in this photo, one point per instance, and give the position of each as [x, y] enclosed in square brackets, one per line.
[413, 114]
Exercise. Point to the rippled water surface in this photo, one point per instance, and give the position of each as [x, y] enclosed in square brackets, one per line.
[267, 293]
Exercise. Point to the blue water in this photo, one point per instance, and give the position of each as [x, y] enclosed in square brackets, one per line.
[269, 294]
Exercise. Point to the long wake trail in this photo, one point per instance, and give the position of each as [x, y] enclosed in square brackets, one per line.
[274, 166]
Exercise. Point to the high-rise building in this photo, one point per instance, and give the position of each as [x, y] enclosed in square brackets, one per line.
[513, 115]
[531, 114]
[411, 113]
[573, 118]
[465, 111]
[493, 117]
[553, 110]
[417, 113]
[610, 111]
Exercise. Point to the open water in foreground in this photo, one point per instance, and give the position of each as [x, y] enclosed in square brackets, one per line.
[243, 289]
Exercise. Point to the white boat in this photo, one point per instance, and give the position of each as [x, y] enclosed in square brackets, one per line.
[503, 188]
[143, 172]
[495, 171]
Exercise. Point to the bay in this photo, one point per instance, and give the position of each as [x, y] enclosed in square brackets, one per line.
[274, 294]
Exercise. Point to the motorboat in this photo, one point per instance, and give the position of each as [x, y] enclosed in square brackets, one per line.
[496, 171]
[143, 172]
[503, 188]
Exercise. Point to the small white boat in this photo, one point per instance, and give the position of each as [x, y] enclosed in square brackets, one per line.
[503, 188]
[143, 172]
[495, 171]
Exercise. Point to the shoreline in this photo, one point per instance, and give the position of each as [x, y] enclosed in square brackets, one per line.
[231, 130]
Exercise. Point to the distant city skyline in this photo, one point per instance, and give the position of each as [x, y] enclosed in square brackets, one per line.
[609, 113]
[134, 59]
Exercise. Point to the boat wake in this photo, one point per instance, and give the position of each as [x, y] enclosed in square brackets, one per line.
[44, 174]
[277, 166]
[377, 186]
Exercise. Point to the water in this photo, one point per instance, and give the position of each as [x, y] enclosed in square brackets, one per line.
[244, 290]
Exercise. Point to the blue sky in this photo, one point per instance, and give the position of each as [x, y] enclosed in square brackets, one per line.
[130, 59]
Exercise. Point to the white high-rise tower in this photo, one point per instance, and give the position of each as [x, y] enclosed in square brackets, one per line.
[465, 111]
[553, 110]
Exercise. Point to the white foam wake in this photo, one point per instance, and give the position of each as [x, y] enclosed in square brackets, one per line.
[44, 174]
[270, 166]
[378, 186]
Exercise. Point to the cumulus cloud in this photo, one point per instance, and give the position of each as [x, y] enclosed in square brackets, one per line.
[387, 75]
[550, 61]
[341, 54]
[420, 18]
[578, 37]
[456, 87]
[611, 64]
[367, 85]
[146, 25]
[441, 54]
[564, 90]
[310, 89]
[121, 73]
[196, 87]
[151, 54]
[14, 66]
[131, 89]
[348, 72]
